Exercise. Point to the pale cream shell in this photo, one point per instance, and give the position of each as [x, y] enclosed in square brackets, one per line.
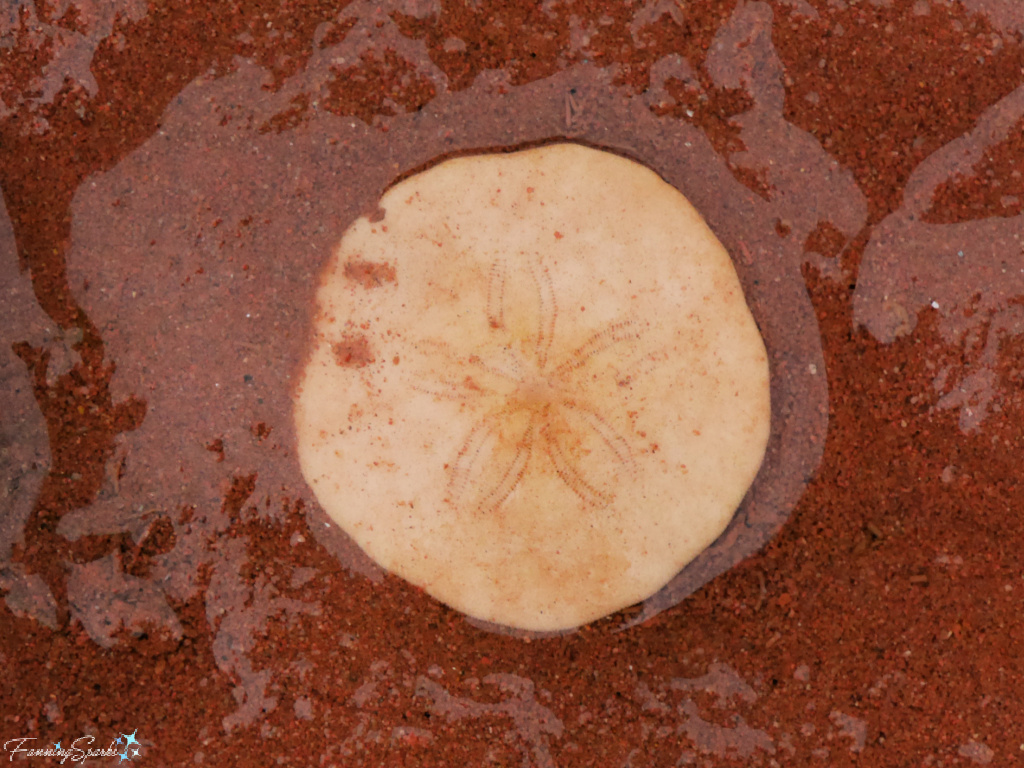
[534, 389]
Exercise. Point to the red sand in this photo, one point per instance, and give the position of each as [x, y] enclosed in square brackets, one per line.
[174, 179]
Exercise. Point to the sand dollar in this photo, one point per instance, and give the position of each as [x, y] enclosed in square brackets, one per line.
[535, 389]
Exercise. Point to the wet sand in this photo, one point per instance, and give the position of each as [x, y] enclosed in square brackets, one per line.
[175, 181]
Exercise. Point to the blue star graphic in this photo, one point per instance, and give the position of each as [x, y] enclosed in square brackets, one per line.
[130, 738]
[123, 756]
[117, 740]
[57, 746]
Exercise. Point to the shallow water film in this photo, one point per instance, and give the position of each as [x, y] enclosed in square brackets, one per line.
[176, 179]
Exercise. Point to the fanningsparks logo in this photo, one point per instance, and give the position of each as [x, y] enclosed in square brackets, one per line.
[124, 747]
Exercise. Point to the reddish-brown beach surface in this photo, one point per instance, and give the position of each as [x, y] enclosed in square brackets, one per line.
[175, 177]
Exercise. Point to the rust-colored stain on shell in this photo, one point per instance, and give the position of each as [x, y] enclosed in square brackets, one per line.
[353, 352]
[370, 274]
